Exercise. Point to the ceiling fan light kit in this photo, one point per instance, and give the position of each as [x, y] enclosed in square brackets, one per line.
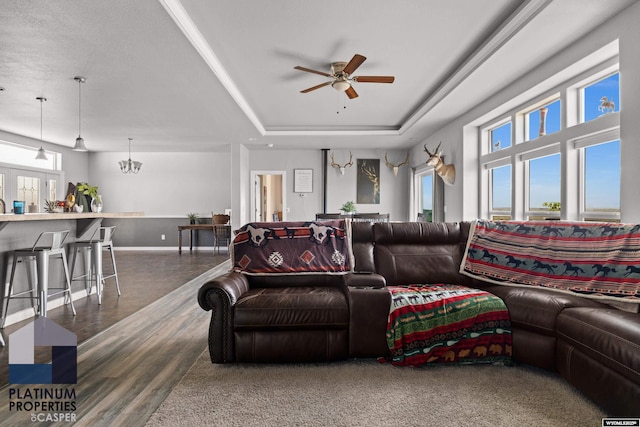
[342, 79]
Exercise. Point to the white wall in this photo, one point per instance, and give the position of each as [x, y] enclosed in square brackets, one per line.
[461, 200]
[169, 184]
[394, 191]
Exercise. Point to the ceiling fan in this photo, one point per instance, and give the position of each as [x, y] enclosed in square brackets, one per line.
[341, 76]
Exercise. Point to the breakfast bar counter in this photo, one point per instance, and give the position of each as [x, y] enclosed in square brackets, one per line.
[84, 220]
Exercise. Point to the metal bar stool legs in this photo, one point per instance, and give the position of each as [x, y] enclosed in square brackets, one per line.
[92, 257]
[40, 292]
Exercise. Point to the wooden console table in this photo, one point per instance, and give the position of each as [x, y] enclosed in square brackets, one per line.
[196, 227]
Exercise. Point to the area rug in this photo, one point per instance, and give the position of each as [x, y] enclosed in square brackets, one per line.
[368, 393]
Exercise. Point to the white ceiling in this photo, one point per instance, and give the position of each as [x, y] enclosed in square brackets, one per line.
[199, 75]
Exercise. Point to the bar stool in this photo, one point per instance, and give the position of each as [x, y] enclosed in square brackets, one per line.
[92, 256]
[41, 255]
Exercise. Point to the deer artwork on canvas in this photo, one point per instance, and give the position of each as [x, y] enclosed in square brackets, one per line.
[395, 167]
[343, 167]
[446, 172]
[371, 175]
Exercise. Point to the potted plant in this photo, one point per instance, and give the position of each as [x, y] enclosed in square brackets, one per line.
[348, 208]
[193, 217]
[89, 191]
[553, 207]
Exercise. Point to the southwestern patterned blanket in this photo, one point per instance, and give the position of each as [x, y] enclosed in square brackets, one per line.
[261, 248]
[593, 259]
[447, 324]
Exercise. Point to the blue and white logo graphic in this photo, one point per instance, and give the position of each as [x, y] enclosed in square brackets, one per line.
[43, 332]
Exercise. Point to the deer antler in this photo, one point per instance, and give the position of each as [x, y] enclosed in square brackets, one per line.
[435, 152]
[342, 168]
[395, 167]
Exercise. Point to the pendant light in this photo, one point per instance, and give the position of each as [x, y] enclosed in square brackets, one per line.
[41, 154]
[79, 146]
[130, 166]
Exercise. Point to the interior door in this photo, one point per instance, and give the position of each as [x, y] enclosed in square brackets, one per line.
[268, 198]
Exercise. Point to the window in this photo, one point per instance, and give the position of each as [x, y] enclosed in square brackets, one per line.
[26, 156]
[543, 121]
[22, 177]
[600, 98]
[556, 168]
[500, 192]
[544, 187]
[426, 200]
[428, 196]
[500, 137]
[601, 178]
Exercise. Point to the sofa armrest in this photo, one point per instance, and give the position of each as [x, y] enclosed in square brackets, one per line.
[365, 280]
[220, 296]
[232, 284]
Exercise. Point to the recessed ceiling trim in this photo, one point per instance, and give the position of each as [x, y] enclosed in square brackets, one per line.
[190, 30]
[363, 132]
[509, 28]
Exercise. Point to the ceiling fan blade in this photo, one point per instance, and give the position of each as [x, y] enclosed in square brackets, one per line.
[374, 79]
[309, 70]
[315, 87]
[351, 92]
[355, 62]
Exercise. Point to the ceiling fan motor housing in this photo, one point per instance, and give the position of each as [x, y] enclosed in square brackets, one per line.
[341, 82]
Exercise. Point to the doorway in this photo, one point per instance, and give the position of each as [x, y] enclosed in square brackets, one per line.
[268, 196]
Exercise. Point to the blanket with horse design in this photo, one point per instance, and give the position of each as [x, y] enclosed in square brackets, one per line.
[447, 324]
[291, 248]
[593, 259]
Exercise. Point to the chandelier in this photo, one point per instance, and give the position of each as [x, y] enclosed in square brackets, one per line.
[130, 166]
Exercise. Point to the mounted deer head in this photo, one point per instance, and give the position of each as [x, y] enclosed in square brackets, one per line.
[446, 172]
[346, 165]
[395, 167]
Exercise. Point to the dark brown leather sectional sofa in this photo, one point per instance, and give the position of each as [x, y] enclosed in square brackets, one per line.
[594, 346]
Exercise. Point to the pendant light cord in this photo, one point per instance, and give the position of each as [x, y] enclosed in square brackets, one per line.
[79, 107]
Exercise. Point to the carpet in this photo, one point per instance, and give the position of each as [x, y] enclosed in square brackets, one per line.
[368, 393]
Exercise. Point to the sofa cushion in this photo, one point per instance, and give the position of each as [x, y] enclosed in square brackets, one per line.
[419, 252]
[292, 308]
[607, 335]
[537, 309]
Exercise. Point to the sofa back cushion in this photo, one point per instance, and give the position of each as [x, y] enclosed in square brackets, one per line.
[291, 248]
[362, 245]
[420, 252]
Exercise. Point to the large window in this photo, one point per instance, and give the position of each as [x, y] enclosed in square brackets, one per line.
[557, 156]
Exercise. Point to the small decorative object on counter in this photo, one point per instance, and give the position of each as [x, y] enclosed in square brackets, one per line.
[96, 203]
[50, 206]
[18, 207]
[193, 217]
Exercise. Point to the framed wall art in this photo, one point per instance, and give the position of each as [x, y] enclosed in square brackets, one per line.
[368, 181]
[303, 180]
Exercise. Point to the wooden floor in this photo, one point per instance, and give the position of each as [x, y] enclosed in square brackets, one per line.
[132, 349]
